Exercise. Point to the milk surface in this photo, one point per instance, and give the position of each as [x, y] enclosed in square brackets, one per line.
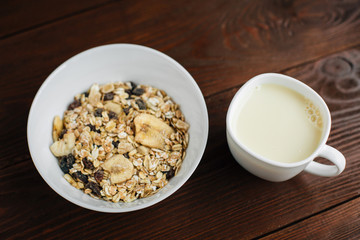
[279, 124]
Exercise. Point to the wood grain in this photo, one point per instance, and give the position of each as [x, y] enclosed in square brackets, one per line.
[217, 42]
[222, 44]
[342, 222]
[232, 198]
[17, 16]
[209, 49]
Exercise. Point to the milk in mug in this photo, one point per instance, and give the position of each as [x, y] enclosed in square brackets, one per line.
[279, 124]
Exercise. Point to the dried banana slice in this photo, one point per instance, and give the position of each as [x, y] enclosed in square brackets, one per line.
[57, 128]
[151, 131]
[64, 146]
[120, 168]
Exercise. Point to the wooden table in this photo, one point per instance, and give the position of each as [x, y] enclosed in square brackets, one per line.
[222, 44]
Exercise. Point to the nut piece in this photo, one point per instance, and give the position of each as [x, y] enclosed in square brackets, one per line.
[94, 95]
[143, 150]
[57, 128]
[107, 88]
[182, 125]
[110, 106]
[151, 131]
[64, 146]
[120, 168]
[125, 147]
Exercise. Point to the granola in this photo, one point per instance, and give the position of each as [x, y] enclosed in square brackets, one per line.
[120, 141]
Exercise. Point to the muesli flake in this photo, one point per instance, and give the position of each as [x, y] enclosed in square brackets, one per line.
[120, 141]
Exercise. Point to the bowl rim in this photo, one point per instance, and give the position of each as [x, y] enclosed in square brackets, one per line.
[185, 177]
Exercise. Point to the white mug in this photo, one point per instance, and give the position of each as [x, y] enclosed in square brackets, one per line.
[279, 171]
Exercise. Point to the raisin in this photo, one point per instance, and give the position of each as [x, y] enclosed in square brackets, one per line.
[138, 91]
[127, 110]
[87, 164]
[93, 128]
[133, 85]
[129, 91]
[108, 96]
[112, 115]
[170, 174]
[74, 104]
[62, 133]
[126, 155]
[98, 112]
[99, 175]
[63, 165]
[95, 188]
[141, 104]
[80, 176]
[86, 94]
[116, 144]
[66, 162]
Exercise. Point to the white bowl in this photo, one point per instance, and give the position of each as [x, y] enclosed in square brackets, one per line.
[111, 63]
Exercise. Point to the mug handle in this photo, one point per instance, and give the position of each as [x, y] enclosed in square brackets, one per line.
[324, 170]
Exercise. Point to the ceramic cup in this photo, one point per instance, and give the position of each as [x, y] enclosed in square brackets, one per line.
[278, 171]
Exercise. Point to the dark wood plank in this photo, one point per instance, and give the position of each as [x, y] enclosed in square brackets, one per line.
[305, 194]
[21, 15]
[217, 42]
[221, 200]
[213, 49]
[222, 44]
[342, 222]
